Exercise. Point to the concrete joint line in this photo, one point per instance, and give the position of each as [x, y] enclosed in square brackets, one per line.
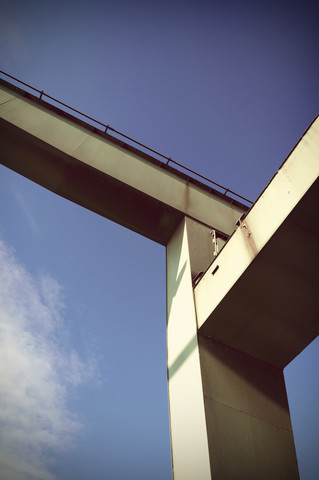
[247, 413]
[6, 101]
[223, 344]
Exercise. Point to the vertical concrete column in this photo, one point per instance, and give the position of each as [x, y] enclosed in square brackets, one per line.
[248, 422]
[189, 443]
[229, 413]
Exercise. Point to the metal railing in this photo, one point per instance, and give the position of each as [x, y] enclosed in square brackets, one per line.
[107, 127]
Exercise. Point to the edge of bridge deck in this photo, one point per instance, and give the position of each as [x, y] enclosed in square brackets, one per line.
[126, 146]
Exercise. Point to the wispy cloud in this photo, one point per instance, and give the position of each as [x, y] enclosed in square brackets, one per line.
[38, 370]
[26, 210]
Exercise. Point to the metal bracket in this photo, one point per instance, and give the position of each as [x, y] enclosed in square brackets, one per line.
[214, 241]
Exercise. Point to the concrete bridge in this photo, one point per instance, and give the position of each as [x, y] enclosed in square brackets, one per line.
[242, 284]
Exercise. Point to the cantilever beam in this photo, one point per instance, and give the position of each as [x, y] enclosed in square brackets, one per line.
[260, 295]
[103, 174]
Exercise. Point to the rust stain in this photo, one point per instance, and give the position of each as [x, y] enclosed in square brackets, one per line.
[248, 234]
[186, 198]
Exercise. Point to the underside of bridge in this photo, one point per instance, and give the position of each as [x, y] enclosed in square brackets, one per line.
[235, 318]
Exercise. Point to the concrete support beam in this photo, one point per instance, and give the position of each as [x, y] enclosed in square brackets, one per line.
[103, 174]
[260, 294]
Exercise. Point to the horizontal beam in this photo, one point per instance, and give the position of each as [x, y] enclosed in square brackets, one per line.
[104, 175]
[260, 295]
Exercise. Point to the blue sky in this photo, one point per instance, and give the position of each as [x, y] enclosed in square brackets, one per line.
[226, 88]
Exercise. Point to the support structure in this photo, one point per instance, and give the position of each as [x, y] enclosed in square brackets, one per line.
[229, 410]
[235, 318]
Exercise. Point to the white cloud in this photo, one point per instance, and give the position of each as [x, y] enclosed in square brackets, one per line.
[37, 372]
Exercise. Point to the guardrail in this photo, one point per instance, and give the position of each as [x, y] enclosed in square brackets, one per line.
[107, 127]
